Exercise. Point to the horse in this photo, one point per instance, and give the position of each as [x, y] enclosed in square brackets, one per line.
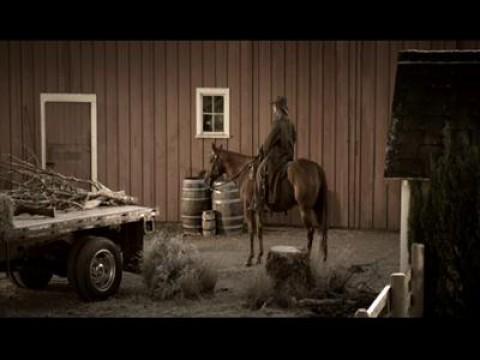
[305, 185]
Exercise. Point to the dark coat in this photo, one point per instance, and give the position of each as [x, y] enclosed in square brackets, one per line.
[278, 149]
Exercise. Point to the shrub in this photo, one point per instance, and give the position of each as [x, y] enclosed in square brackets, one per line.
[173, 269]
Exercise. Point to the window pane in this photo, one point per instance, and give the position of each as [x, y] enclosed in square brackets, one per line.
[218, 104]
[207, 123]
[219, 123]
[207, 104]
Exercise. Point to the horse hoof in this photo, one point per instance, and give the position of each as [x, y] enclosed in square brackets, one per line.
[248, 263]
[259, 261]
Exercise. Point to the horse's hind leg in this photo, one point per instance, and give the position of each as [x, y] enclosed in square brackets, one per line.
[250, 216]
[259, 221]
[306, 214]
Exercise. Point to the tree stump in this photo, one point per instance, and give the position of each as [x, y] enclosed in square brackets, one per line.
[289, 269]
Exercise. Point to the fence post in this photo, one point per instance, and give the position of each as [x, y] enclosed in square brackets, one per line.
[399, 295]
[404, 212]
[418, 259]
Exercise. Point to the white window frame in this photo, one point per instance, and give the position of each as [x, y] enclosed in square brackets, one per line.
[75, 98]
[225, 92]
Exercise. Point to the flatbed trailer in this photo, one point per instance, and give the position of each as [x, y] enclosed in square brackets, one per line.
[89, 247]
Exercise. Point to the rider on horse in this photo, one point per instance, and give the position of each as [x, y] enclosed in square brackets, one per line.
[277, 150]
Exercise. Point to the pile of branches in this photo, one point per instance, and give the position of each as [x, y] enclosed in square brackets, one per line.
[334, 294]
[42, 191]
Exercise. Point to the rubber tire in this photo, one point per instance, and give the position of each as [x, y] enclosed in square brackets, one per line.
[72, 261]
[33, 275]
[84, 287]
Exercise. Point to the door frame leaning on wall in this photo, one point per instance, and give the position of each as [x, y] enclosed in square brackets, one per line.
[75, 98]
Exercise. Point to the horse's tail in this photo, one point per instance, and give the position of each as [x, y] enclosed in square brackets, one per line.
[321, 209]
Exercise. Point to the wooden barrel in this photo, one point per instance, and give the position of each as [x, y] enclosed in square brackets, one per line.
[195, 200]
[229, 208]
[209, 225]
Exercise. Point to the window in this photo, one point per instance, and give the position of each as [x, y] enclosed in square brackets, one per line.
[213, 113]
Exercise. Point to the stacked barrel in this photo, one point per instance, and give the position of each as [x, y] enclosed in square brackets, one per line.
[197, 204]
[228, 207]
[195, 200]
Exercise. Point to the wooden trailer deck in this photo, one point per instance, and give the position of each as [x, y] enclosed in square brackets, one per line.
[28, 226]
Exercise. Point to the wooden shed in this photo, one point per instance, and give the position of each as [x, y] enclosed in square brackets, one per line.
[432, 89]
[127, 112]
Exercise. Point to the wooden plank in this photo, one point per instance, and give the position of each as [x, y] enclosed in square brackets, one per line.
[111, 116]
[208, 81]
[148, 136]
[63, 54]
[184, 113]
[75, 67]
[234, 85]
[99, 76]
[196, 66]
[39, 86]
[352, 154]
[367, 134]
[16, 119]
[329, 136]
[136, 121]
[86, 63]
[246, 97]
[357, 131]
[160, 129]
[27, 101]
[172, 131]
[5, 124]
[303, 103]
[256, 97]
[291, 75]
[221, 76]
[265, 114]
[123, 116]
[342, 132]
[380, 212]
[380, 303]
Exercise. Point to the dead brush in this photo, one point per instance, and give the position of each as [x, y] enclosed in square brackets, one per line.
[334, 293]
[173, 269]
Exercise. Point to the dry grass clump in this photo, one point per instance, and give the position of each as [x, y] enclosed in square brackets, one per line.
[173, 269]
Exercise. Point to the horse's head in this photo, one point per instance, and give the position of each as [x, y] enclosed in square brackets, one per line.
[217, 167]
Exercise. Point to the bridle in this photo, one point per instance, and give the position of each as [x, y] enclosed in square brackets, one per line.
[237, 175]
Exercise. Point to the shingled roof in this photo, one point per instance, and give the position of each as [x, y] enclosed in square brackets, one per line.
[431, 89]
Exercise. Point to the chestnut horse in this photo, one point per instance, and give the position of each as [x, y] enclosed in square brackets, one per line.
[305, 185]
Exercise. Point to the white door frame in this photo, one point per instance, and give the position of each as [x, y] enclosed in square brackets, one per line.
[76, 98]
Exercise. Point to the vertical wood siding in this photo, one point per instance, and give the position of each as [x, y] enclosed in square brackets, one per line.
[339, 94]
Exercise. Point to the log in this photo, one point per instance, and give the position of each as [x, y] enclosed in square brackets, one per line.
[289, 269]
[32, 210]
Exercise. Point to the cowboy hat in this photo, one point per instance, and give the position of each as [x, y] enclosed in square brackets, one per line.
[281, 102]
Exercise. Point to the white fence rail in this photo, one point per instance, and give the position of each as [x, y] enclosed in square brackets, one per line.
[403, 297]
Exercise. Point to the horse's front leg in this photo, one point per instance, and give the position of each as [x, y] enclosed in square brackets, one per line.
[251, 230]
[259, 221]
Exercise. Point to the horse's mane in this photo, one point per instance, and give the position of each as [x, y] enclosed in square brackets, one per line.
[236, 154]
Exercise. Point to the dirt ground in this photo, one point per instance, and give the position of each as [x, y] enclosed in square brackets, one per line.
[346, 248]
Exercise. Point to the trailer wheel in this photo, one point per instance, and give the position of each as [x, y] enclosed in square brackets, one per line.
[72, 261]
[98, 269]
[32, 275]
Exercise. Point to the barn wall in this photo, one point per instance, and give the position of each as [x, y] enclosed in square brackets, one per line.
[339, 94]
